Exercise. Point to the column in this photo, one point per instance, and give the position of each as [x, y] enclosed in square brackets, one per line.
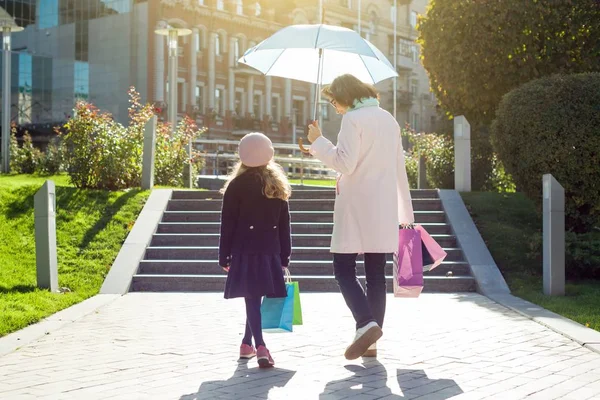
[211, 70]
[288, 98]
[250, 88]
[268, 95]
[193, 67]
[231, 80]
[159, 64]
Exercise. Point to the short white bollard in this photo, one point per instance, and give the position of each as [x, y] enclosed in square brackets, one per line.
[45, 237]
[462, 154]
[554, 237]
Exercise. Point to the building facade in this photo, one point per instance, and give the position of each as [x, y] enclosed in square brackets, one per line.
[95, 49]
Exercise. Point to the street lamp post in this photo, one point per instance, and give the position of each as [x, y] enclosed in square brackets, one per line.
[172, 33]
[8, 26]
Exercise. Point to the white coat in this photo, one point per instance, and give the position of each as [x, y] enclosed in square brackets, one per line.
[373, 196]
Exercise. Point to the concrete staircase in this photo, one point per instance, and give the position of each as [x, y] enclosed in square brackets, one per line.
[182, 256]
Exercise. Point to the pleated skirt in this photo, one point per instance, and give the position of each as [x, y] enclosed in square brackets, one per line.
[255, 275]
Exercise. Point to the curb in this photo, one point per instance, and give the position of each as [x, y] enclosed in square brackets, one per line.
[54, 322]
[132, 252]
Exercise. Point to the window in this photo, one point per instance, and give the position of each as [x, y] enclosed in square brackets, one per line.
[200, 2]
[275, 108]
[24, 103]
[325, 111]
[82, 80]
[221, 5]
[415, 121]
[415, 53]
[238, 103]
[414, 17]
[299, 112]
[198, 40]
[236, 52]
[239, 7]
[218, 45]
[48, 14]
[414, 87]
[258, 10]
[393, 14]
[257, 106]
[199, 99]
[347, 3]
[218, 101]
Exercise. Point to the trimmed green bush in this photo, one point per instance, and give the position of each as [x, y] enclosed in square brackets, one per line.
[552, 125]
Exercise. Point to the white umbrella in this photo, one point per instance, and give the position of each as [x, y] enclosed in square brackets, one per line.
[318, 54]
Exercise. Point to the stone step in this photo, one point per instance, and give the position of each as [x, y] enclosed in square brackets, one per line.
[300, 240]
[211, 267]
[297, 227]
[298, 253]
[297, 216]
[296, 194]
[295, 205]
[216, 283]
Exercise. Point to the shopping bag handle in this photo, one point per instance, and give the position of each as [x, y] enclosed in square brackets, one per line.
[287, 275]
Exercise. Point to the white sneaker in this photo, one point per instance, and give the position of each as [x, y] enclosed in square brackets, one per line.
[365, 337]
[371, 351]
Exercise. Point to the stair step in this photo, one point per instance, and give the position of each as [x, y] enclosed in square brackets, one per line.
[295, 205]
[211, 253]
[211, 267]
[297, 227]
[300, 240]
[308, 283]
[296, 216]
[297, 193]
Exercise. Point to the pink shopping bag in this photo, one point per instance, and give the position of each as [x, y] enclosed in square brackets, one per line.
[408, 264]
[433, 254]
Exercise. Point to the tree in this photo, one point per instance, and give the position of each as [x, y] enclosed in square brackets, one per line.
[475, 51]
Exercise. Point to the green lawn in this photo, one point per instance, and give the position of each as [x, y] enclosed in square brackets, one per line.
[509, 224]
[91, 226]
[315, 182]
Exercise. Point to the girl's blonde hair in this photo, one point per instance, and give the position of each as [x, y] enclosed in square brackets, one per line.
[274, 181]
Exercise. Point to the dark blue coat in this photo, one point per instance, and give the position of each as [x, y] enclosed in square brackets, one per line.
[251, 223]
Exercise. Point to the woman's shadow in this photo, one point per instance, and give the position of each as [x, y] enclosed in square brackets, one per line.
[372, 376]
[253, 382]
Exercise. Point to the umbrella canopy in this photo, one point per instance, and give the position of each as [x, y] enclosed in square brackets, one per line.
[318, 54]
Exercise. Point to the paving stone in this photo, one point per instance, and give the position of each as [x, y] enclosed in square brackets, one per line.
[184, 347]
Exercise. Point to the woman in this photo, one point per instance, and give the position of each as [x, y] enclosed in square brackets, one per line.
[373, 199]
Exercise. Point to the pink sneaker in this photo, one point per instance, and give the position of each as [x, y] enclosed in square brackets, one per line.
[247, 351]
[264, 357]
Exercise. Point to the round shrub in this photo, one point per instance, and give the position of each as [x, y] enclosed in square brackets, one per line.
[552, 125]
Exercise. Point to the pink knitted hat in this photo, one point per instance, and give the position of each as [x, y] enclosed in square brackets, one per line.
[256, 150]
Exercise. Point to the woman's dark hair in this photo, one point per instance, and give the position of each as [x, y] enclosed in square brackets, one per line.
[345, 89]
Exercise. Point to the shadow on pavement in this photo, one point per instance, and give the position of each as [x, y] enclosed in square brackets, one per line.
[254, 383]
[370, 379]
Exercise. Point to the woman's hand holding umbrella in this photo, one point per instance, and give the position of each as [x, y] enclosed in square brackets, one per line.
[314, 132]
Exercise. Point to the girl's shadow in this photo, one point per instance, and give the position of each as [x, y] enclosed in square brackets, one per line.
[254, 382]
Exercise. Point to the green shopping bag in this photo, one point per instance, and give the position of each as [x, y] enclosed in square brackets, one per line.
[297, 320]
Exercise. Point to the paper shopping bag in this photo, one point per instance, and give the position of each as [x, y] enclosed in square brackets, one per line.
[297, 320]
[433, 254]
[408, 264]
[278, 312]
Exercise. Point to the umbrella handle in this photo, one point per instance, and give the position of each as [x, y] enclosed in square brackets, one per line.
[302, 148]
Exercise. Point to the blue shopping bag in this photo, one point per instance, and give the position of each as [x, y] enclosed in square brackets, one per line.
[278, 313]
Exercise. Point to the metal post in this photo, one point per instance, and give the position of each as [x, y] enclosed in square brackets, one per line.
[6, 64]
[422, 173]
[395, 57]
[554, 236]
[149, 154]
[45, 237]
[173, 79]
[462, 154]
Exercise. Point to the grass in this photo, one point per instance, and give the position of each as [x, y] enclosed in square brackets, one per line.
[91, 226]
[315, 182]
[509, 224]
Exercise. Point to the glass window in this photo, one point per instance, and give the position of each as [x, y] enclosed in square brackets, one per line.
[393, 14]
[415, 121]
[47, 14]
[221, 5]
[82, 80]
[200, 2]
[239, 7]
[199, 98]
[414, 87]
[258, 9]
[414, 17]
[415, 53]
[25, 89]
[218, 101]
[236, 52]
[256, 106]
[275, 108]
[198, 40]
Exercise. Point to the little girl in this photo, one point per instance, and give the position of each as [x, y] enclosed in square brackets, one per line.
[255, 241]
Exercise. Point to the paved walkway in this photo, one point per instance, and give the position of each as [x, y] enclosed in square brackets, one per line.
[184, 347]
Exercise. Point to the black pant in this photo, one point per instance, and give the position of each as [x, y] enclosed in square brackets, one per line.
[253, 322]
[365, 308]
